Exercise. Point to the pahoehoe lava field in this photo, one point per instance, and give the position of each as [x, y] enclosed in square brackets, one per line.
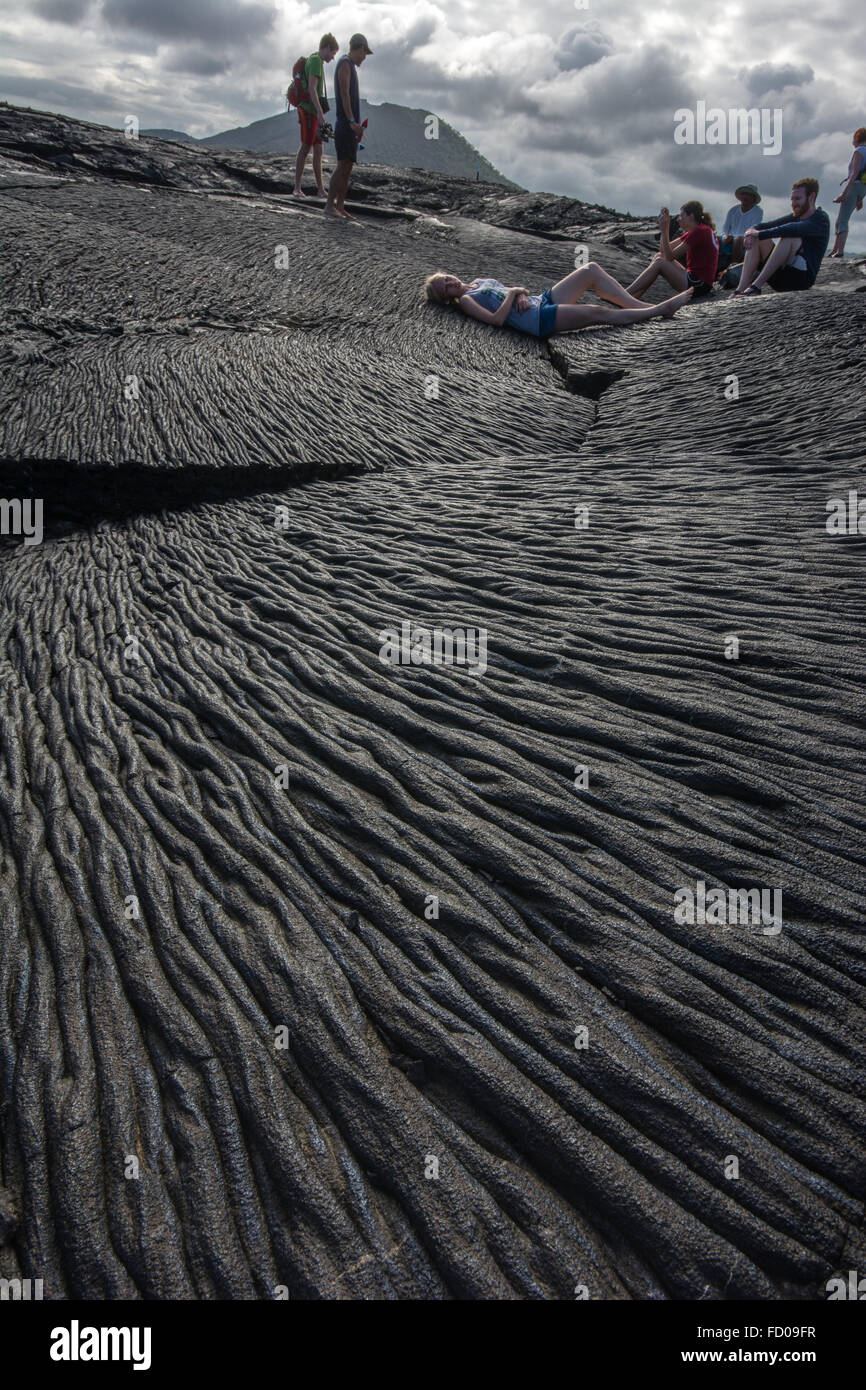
[242, 1054]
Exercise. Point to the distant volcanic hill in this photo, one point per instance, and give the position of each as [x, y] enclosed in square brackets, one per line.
[396, 136]
[179, 135]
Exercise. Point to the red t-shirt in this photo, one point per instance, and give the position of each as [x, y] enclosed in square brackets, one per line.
[702, 253]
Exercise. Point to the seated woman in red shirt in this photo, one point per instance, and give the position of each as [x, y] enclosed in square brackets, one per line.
[698, 243]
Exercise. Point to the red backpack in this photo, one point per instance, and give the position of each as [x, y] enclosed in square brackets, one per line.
[297, 88]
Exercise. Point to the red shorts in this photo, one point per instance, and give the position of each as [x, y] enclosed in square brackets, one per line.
[309, 127]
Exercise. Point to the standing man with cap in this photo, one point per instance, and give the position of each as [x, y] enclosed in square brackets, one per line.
[347, 127]
[737, 223]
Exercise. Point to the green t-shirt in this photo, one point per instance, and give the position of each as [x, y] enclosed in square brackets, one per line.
[315, 68]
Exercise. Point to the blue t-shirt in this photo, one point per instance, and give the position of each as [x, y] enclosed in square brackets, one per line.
[344, 117]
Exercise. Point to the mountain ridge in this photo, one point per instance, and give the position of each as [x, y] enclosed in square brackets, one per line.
[397, 137]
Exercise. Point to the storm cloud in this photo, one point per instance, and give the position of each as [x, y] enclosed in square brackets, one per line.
[198, 61]
[775, 77]
[62, 11]
[582, 46]
[211, 21]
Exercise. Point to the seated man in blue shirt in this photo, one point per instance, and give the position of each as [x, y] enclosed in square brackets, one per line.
[795, 259]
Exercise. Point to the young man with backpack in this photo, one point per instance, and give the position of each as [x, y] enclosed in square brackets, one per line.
[307, 92]
[347, 127]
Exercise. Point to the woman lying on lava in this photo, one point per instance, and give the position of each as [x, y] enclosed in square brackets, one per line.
[554, 311]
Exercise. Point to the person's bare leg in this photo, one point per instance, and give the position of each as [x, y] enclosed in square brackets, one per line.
[337, 189]
[784, 251]
[342, 186]
[300, 162]
[637, 289]
[592, 277]
[675, 274]
[571, 316]
[756, 253]
[317, 170]
[839, 243]
[672, 271]
[341, 200]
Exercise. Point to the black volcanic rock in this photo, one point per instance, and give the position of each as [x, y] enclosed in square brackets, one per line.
[298, 945]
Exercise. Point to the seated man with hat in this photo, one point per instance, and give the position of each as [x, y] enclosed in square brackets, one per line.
[737, 223]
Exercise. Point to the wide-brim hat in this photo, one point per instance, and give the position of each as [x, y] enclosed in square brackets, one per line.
[748, 188]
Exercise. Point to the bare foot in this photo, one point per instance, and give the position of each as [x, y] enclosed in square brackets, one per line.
[669, 307]
[296, 193]
[321, 193]
[335, 212]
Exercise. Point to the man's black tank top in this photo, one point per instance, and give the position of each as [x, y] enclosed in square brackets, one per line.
[354, 114]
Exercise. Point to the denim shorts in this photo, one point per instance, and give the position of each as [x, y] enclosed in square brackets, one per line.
[539, 319]
[547, 316]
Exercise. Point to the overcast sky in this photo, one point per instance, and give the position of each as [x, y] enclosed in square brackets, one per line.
[571, 98]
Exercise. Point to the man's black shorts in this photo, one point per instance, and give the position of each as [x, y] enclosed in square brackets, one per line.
[345, 144]
[787, 277]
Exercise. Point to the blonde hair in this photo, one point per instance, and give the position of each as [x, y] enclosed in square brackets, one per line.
[430, 291]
